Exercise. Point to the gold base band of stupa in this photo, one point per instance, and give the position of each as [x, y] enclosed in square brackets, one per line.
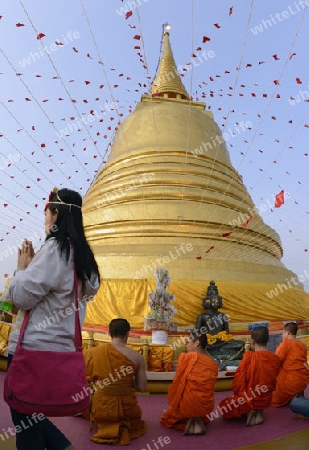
[245, 301]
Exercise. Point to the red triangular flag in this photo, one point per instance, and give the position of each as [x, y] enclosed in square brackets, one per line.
[226, 234]
[279, 199]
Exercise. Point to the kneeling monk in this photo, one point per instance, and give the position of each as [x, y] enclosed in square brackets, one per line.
[254, 382]
[293, 376]
[191, 395]
[115, 370]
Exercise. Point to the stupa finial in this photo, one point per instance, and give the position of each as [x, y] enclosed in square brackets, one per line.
[168, 82]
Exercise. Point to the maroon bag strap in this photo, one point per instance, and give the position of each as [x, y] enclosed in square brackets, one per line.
[78, 335]
[22, 330]
[78, 332]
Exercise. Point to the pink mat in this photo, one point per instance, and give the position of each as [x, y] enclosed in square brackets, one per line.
[220, 434]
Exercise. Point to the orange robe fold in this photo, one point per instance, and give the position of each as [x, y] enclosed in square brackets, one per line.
[115, 409]
[293, 376]
[254, 382]
[192, 391]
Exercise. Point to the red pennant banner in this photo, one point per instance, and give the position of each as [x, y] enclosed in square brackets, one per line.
[246, 223]
[279, 199]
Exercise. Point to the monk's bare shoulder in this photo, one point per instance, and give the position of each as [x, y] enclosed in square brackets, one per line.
[133, 355]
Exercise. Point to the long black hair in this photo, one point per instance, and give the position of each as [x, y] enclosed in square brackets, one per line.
[69, 228]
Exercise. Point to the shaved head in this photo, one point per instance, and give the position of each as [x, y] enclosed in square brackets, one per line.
[119, 328]
[291, 327]
[260, 335]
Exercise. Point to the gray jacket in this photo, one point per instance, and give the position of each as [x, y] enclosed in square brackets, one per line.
[47, 287]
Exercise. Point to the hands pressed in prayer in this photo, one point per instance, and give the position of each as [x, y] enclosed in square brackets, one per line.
[25, 255]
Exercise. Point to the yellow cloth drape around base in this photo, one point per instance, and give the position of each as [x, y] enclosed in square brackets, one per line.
[242, 301]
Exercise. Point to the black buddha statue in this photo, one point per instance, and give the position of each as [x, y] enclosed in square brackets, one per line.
[213, 322]
[212, 319]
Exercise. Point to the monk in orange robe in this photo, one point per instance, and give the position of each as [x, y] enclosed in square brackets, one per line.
[293, 376]
[191, 395]
[254, 382]
[115, 371]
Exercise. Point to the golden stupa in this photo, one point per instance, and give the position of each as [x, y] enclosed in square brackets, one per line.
[169, 197]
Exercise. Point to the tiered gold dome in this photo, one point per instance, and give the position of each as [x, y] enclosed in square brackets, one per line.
[169, 197]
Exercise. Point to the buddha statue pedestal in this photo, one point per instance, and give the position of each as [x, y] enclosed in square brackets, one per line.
[160, 329]
[226, 353]
[159, 337]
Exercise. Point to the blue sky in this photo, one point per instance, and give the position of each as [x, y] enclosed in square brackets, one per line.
[68, 89]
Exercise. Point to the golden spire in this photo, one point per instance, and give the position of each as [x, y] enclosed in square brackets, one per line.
[168, 82]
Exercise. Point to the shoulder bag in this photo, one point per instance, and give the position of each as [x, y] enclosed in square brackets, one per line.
[47, 382]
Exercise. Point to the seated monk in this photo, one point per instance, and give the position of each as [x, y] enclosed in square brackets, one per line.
[254, 382]
[293, 376]
[115, 371]
[191, 395]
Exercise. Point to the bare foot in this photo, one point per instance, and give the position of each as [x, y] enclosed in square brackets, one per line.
[251, 418]
[199, 427]
[189, 427]
[195, 426]
[255, 417]
[260, 418]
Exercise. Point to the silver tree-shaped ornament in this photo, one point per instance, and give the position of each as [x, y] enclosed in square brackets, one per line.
[161, 308]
